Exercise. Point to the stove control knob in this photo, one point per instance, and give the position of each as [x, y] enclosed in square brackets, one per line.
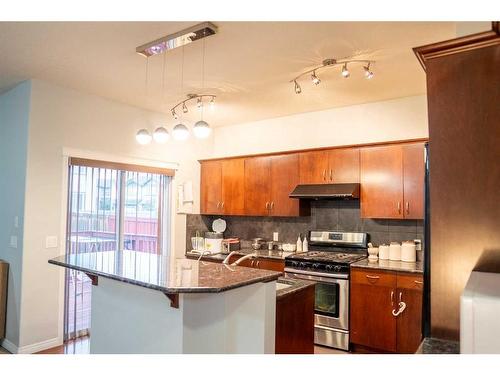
[329, 267]
[302, 264]
[337, 268]
[315, 265]
[295, 264]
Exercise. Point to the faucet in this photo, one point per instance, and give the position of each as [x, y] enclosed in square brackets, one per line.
[248, 256]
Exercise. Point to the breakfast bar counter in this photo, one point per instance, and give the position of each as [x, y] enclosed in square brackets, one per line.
[148, 303]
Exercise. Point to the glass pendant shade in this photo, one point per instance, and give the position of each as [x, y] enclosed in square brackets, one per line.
[161, 135]
[143, 137]
[201, 129]
[180, 132]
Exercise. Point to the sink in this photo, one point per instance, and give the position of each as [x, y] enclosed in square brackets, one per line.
[280, 286]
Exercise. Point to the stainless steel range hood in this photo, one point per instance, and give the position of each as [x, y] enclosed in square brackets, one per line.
[326, 191]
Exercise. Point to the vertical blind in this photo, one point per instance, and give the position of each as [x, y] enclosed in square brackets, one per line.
[111, 207]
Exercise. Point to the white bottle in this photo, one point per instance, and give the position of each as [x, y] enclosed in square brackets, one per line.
[305, 245]
[299, 245]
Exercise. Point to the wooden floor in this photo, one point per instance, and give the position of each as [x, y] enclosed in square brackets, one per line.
[82, 346]
[77, 346]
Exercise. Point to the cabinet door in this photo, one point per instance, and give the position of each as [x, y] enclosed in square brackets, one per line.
[257, 185]
[409, 322]
[271, 264]
[284, 178]
[344, 165]
[211, 187]
[413, 180]
[313, 167]
[233, 179]
[382, 182]
[372, 324]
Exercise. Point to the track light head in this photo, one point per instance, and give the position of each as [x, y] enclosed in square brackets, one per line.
[298, 90]
[174, 114]
[345, 71]
[184, 108]
[368, 72]
[212, 102]
[199, 104]
[315, 79]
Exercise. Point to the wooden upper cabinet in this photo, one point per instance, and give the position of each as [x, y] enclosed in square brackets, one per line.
[313, 167]
[382, 182]
[413, 180]
[344, 165]
[233, 192]
[284, 178]
[329, 166]
[257, 185]
[211, 187]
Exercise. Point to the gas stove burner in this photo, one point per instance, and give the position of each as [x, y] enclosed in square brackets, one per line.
[328, 256]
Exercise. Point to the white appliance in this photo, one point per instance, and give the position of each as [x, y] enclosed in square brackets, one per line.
[479, 312]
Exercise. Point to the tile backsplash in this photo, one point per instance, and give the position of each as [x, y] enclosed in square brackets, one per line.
[325, 215]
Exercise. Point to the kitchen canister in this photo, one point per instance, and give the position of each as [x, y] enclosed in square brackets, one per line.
[394, 251]
[383, 252]
[408, 251]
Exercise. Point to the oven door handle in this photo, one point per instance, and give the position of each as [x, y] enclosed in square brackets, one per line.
[320, 274]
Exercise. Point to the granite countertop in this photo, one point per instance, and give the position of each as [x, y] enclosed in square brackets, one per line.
[267, 254]
[437, 346]
[296, 286]
[390, 265]
[160, 273]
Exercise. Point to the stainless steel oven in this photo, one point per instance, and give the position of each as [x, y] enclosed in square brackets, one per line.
[331, 306]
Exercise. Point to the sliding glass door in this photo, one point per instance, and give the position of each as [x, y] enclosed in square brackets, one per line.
[110, 209]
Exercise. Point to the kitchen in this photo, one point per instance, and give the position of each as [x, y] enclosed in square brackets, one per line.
[280, 205]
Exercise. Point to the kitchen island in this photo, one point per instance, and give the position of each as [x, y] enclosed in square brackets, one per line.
[148, 303]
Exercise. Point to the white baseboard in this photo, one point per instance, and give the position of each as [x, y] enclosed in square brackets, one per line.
[33, 348]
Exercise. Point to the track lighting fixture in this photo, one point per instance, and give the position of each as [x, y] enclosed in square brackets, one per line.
[368, 72]
[298, 90]
[345, 71]
[327, 63]
[143, 137]
[315, 79]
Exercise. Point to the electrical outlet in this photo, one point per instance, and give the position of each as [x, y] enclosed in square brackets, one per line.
[275, 236]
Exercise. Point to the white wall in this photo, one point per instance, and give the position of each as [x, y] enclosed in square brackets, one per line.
[62, 120]
[14, 121]
[397, 119]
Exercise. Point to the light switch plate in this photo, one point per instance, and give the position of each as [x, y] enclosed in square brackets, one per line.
[13, 242]
[275, 236]
[50, 242]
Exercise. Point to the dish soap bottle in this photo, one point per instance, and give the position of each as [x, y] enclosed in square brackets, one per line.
[305, 245]
[299, 245]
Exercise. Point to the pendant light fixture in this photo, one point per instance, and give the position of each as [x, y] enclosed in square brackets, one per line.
[327, 63]
[180, 132]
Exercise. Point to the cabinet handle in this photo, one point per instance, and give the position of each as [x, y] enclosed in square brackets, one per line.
[372, 277]
[418, 282]
[222, 205]
[251, 263]
[399, 207]
[218, 205]
[272, 205]
[392, 297]
[324, 174]
[267, 205]
[258, 262]
[407, 207]
[331, 174]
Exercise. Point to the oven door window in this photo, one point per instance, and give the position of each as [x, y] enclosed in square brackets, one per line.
[327, 299]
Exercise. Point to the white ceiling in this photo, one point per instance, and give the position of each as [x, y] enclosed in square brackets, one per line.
[248, 64]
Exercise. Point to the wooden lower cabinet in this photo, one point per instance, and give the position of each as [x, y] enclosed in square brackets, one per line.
[295, 323]
[374, 296]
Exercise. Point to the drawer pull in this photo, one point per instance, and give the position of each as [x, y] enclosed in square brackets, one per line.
[418, 282]
[373, 277]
